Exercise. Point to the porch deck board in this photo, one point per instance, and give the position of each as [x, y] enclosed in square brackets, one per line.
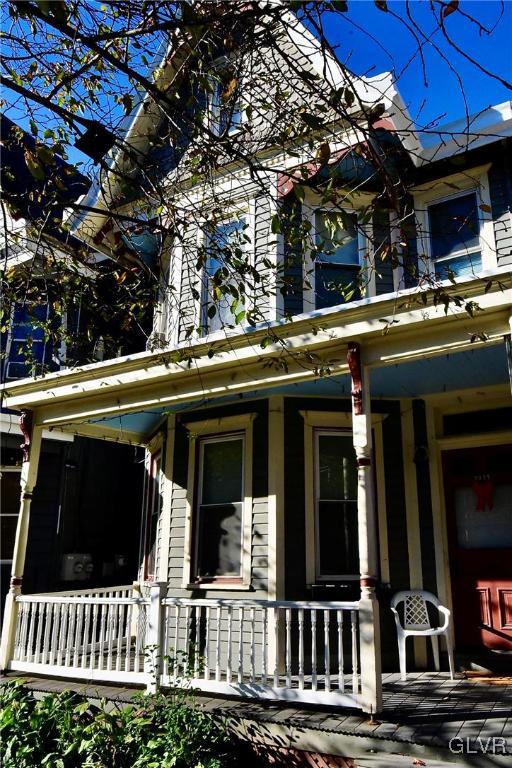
[424, 712]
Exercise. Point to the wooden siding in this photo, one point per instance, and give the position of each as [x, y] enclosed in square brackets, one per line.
[500, 189]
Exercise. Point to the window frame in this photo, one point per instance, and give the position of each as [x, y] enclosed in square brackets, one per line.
[233, 215]
[213, 111]
[474, 180]
[310, 211]
[222, 428]
[340, 420]
[317, 433]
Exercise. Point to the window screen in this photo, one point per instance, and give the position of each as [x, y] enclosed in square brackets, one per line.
[225, 245]
[337, 265]
[454, 236]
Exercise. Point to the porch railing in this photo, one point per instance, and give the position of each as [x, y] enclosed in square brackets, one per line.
[296, 651]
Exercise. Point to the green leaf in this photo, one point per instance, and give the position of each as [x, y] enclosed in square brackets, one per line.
[240, 317]
[212, 311]
[275, 224]
[311, 120]
[299, 192]
[33, 128]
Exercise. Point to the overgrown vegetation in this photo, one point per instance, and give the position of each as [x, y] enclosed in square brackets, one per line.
[65, 730]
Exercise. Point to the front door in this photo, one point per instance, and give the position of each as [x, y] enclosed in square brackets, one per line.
[478, 488]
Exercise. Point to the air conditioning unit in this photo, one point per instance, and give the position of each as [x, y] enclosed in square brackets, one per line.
[76, 567]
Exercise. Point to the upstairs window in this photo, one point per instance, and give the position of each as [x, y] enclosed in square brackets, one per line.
[225, 105]
[26, 349]
[337, 266]
[455, 236]
[225, 250]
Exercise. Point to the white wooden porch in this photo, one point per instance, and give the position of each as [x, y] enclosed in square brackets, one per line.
[292, 651]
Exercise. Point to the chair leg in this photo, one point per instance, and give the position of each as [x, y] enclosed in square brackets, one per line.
[449, 648]
[402, 658]
[435, 651]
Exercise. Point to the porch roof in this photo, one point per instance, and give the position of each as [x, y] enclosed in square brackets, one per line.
[127, 398]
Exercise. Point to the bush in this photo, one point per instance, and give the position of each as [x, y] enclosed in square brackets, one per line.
[66, 730]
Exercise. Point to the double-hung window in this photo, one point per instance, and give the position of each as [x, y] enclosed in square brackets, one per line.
[220, 508]
[454, 235]
[225, 256]
[335, 492]
[337, 263]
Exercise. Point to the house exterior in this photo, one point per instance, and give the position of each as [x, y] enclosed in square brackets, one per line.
[302, 469]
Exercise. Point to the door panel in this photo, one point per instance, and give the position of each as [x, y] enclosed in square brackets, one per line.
[478, 490]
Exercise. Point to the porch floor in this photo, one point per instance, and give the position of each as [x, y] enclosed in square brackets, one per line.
[419, 718]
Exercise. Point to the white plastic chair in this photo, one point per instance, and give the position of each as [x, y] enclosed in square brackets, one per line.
[417, 624]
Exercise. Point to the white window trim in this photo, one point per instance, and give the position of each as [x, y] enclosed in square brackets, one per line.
[339, 421]
[223, 427]
[244, 211]
[11, 469]
[473, 180]
[309, 211]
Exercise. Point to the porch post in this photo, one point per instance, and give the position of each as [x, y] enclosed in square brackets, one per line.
[153, 651]
[369, 622]
[31, 451]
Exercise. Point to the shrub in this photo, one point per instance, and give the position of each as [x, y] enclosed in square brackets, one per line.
[65, 730]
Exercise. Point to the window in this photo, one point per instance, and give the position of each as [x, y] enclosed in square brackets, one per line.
[151, 509]
[337, 553]
[455, 236]
[225, 108]
[225, 250]
[27, 351]
[9, 511]
[220, 504]
[337, 266]
[218, 523]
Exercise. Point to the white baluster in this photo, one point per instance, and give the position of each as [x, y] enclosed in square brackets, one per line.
[128, 637]
[288, 648]
[327, 653]
[207, 645]
[55, 633]
[264, 649]
[240, 644]
[313, 650]
[176, 642]
[120, 615]
[70, 634]
[110, 635]
[230, 628]
[87, 636]
[103, 634]
[276, 647]
[31, 628]
[17, 634]
[48, 611]
[24, 630]
[79, 640]
[341, 660]
[186, 657]
[217, 663]
[63, 633]
[40, 622]
[198, 613]
[301, 648]
[253, 646]
[355, 659]
[94, 637]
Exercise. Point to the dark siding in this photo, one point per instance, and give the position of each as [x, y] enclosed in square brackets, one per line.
[500, 189]
[292, 266]
[382, 258]
[428, 557]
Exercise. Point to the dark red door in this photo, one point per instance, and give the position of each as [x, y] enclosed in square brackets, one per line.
[478, 488]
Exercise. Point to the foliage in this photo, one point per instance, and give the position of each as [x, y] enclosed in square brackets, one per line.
[74, 71]
[66, 730]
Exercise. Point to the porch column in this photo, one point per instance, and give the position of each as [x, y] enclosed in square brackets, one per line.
[369, 622]
[31, 451]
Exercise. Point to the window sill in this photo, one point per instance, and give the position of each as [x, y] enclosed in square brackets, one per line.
[224, 585]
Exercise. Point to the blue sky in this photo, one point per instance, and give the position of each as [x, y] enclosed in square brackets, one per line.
[393, 47]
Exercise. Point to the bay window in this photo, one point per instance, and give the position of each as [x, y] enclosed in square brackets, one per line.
[454, 235]
[337, 262]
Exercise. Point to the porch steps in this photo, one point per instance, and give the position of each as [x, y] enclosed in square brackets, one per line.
[419, 719]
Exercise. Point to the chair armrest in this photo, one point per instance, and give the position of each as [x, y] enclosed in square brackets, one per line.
[446, 613]
[397, 619]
